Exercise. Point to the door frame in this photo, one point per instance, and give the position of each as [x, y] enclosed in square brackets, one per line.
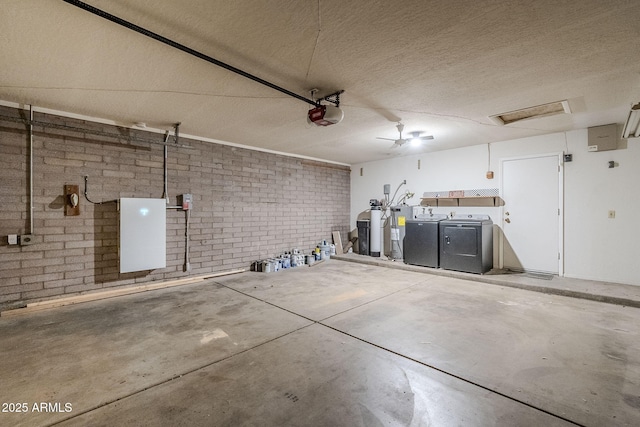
[559, 156]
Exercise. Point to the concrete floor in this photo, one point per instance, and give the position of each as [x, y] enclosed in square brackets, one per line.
[338, 344]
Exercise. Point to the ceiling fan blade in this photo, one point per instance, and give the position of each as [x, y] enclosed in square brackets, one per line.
[426, 137]
[388, 139]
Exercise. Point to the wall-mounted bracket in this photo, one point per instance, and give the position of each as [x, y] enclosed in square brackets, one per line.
[334, 98]
[176, 132]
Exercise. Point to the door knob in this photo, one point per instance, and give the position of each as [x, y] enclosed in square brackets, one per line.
[507, 220]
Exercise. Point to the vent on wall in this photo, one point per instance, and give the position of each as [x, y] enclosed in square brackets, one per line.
[551, 109]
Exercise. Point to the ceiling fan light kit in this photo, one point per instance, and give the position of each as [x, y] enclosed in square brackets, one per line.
[415, 138]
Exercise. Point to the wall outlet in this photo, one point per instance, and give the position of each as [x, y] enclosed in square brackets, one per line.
[611, 214]
[25, 239]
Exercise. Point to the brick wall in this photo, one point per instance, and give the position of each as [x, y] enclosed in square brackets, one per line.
[247, 205]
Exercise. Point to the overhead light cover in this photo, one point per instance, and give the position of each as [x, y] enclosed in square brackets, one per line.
[550, 109]
[632, 125]
[415, 139]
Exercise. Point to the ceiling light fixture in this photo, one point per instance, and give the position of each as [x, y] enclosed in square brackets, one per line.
[415, 139]
[550, 109]
[632, 125]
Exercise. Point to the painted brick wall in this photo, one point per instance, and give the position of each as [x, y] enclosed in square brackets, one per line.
[248, 205]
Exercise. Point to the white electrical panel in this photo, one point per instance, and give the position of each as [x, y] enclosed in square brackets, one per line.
[602, 138]
[143, 234]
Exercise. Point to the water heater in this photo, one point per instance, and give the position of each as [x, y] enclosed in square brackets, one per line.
[399, 215]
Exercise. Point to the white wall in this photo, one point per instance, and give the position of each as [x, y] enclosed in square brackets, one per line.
[595, 247]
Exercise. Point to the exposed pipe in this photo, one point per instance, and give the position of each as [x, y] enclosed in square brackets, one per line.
[397, 189]
[187, 263]
[129, 138]
[176, 127]
[165, 194]
[186, 49]
[30, 169]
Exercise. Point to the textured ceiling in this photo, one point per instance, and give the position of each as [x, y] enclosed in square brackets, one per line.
[442, 67]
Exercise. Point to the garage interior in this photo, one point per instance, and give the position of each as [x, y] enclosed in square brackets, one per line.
[261, 133]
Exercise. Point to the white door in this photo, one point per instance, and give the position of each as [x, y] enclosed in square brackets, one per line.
[531, 215]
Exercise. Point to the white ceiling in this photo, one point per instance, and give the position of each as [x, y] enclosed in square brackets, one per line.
[441, 67]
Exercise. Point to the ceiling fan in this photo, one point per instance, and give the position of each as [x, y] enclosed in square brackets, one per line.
[415, 137]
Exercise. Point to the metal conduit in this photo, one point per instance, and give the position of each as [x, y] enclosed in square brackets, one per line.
[30, 169]
[165, 194]
[186, 49]
[129, 138]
